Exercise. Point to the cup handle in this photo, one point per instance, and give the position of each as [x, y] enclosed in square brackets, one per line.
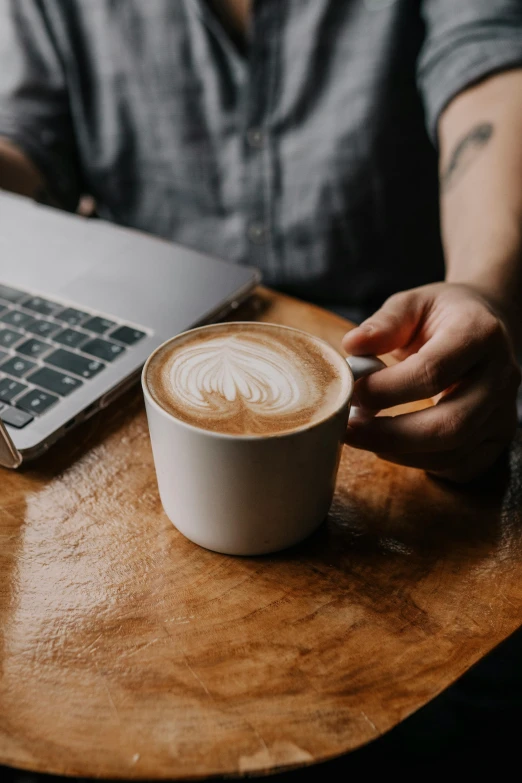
[361, 366]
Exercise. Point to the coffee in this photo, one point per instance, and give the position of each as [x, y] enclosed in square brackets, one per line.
[248, 379]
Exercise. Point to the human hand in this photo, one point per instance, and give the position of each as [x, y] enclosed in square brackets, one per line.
[454, 346]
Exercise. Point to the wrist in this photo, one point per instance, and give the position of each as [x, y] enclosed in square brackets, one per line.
[502, 299]
[493, 269]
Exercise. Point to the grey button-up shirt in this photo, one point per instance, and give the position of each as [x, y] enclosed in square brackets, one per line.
[308, 156]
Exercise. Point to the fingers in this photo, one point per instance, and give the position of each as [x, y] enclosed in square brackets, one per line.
[441, 362]
[453, 348]
[472, 460]
[391, 327]
[455, 466]
[456, 420]
[439, 333]
[472, 456]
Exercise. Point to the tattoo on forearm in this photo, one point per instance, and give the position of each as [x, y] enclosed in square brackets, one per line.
[464, 154]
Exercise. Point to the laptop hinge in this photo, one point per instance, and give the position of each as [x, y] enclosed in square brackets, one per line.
[10, 457]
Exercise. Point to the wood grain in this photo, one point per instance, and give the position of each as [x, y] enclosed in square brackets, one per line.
[129, 652]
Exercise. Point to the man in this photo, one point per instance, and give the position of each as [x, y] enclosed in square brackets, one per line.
[303, 137]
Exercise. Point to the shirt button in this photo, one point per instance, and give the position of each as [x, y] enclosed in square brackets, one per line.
[256, 138]
[258, 233]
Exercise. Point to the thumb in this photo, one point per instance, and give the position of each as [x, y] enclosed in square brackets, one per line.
[391, 327]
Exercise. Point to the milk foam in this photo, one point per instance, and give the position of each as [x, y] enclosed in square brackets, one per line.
[232, 369]
[247, 379]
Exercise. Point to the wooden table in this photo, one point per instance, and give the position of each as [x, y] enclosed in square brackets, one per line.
[129, 652]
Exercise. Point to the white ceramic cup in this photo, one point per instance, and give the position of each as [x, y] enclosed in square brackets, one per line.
[250, 494]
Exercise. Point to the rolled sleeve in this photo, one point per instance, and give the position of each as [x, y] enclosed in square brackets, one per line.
[466, 40]
[34, 105]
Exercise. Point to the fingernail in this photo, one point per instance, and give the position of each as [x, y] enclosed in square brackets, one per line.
[363, 329]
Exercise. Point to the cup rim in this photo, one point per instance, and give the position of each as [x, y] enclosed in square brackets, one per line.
[252, 437]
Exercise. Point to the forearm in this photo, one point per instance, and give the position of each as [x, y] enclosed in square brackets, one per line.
[480, 137]
[18, 174]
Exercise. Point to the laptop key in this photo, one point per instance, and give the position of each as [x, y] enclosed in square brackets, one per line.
[33, 348]
[71, 316]
[16, 318]
[3, 308]
[42, 328]
[127, 335]
[36, 401]
[11, 294]
[17, 366]
[8, 337]
[3, 355]
[103, 349]
[98, 325]
[71, 337]
[10, 389]
[71, 362]
[15, 418]
[54, 381]
[42, 306]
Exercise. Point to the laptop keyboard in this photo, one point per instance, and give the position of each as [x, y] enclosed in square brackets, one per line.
[49, 350]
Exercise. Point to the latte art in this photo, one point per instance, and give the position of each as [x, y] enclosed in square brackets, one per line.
[247, 379]
[232, 370]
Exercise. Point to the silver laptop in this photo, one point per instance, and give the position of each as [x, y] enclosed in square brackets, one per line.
[82, 305]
